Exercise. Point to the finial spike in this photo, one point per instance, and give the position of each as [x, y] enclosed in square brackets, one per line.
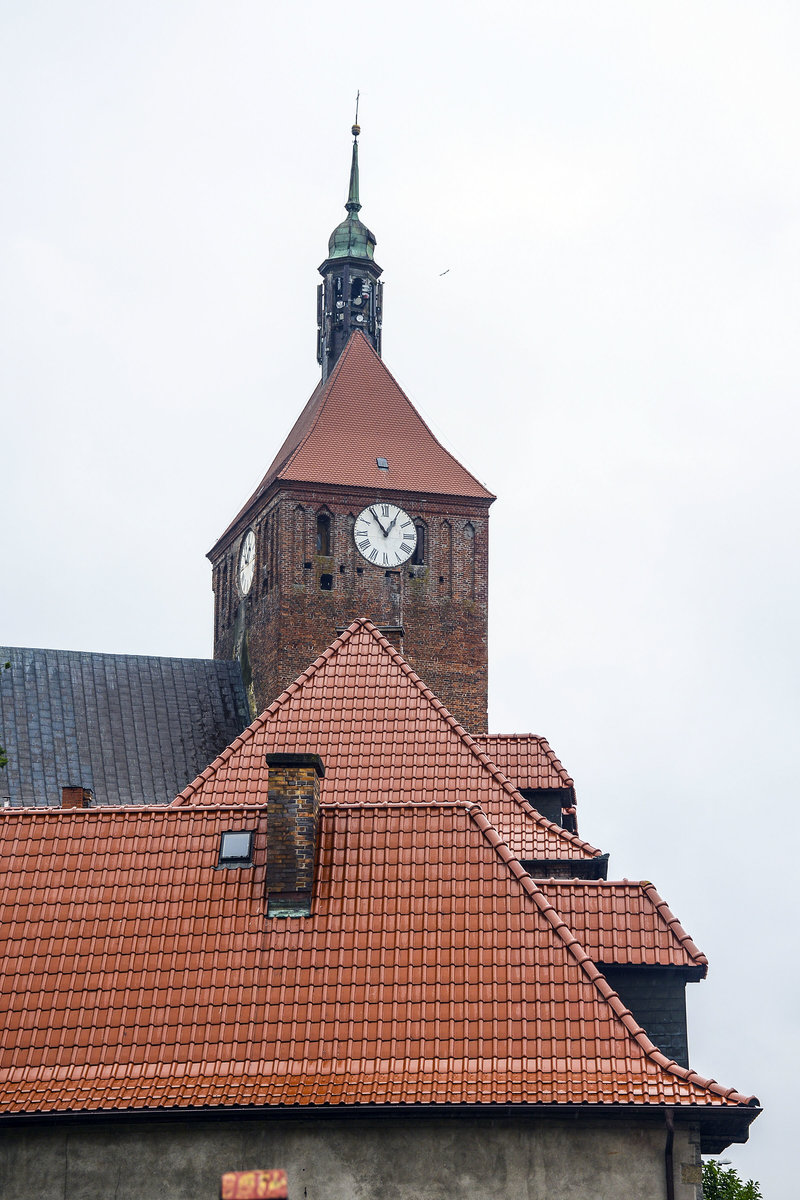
[353, 204]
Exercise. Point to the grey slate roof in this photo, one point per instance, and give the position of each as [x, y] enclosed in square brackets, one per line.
[134, 729]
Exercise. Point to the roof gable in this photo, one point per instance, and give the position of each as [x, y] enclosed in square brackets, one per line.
[133, 728]
[383, 736]
[359, 415]
[422, 924]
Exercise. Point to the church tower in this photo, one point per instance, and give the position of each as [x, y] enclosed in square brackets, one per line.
[361, 513]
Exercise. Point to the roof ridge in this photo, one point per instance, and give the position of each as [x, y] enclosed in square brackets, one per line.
[519, 736]
[120, 810]
[576, 949]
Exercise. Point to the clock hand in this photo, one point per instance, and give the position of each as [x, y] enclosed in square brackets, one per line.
[377, 518]
[394, 522]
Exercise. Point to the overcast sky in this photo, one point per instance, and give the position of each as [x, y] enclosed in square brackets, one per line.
[612, 189]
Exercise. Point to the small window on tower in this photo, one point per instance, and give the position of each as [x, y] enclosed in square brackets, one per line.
[418, 557]
[383, 464]
[323, 534]
[356, 289]
[326, 583]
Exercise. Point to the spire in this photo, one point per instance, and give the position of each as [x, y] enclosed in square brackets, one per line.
[353, 203]
[351, 297]
[351, 238]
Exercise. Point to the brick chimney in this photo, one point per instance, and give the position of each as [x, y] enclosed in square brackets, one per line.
[292, 826]
[76, 797]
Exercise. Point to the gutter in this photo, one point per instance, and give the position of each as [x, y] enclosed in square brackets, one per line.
[669, 1165]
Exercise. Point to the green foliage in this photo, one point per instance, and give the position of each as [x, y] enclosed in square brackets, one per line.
[723, 1183]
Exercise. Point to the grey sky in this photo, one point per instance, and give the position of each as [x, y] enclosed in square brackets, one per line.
[613, 189]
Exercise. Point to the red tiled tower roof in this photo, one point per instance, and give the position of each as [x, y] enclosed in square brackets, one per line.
[526, 759]
[358, 415]
[383, 735]
[624, 923]
[134, 975]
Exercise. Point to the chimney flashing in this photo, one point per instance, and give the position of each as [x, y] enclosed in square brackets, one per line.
[297, 760]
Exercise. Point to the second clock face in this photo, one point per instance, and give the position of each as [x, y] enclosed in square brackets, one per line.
[385, 535]
[247, 562]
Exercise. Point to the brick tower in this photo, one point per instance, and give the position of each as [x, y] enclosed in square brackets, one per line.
[361, 513]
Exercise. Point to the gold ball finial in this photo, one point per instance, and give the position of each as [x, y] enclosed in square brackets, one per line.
[356, 130]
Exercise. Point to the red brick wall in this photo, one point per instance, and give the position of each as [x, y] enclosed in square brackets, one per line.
[288, 620]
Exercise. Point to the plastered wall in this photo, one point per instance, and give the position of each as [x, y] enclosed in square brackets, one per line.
[524, 1158]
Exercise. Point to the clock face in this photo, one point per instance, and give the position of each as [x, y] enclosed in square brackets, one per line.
[385, 535]
[247, 562]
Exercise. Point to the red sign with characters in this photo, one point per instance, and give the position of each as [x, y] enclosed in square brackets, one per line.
[254, 1185]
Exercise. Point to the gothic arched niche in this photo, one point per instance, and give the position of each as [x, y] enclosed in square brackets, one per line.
[446, 558]
[469, 557]
[419, 557]
[324, 535]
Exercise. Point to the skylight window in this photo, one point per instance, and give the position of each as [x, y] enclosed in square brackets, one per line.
[236, 848]
[383, 464]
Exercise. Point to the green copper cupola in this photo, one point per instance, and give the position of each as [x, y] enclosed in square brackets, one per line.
[350, 296]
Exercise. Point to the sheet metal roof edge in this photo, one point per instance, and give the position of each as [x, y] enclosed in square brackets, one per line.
[469, 741]
[373, 1110]
[607, 992]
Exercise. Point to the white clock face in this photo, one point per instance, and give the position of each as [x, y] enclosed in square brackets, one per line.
[385, 535]
[247, 562]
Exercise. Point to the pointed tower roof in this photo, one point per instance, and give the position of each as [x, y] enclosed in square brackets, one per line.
[359, 414]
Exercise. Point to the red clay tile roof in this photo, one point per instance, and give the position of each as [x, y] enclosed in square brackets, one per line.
[133, 975]
[623, 923]
[359, 415]
[382, 736]
[526, 759]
